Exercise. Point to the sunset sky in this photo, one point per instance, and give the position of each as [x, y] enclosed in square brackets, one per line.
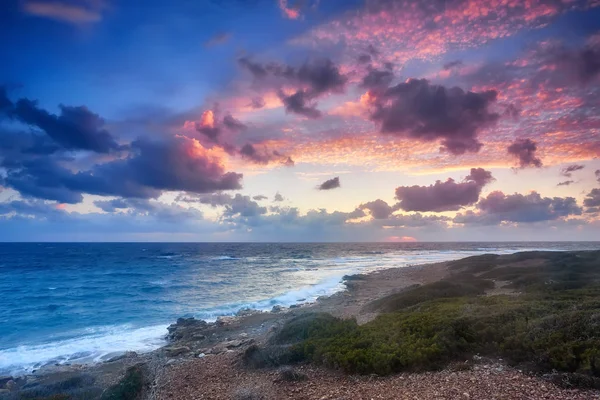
[275, 120]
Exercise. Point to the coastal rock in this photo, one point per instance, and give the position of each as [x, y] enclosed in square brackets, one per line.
[233, 344]
[127, 354]
[276, 309]
[11, 385]
[244, 312]
[225, 320]
[176, 351]
[187, 328]
[4, 380]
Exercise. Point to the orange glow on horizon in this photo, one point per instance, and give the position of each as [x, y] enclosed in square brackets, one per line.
[401, 239]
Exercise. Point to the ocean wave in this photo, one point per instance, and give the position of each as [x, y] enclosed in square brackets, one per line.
[308, 294]
[223, 258]
[92, 346]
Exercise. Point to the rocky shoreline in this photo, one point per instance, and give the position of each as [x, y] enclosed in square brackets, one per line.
[202, 361]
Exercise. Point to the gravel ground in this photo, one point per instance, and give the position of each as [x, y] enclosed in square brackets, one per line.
[220, 377]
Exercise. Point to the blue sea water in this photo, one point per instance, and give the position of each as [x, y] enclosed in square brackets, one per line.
[83, 302]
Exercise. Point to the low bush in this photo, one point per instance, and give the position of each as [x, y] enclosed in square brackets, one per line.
[553, 325]
[457, 287]
[269, 356]
[130, 387]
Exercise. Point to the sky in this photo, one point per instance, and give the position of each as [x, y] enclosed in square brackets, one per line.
[306, 120]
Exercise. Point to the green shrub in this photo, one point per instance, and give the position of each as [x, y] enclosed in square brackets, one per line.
[129, 387]
[461, 286]
[302, 327]
[269, 356]
[553, 325]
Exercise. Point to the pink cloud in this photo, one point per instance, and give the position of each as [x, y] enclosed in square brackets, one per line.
[289, 12]
[431, 28]
[85, 12]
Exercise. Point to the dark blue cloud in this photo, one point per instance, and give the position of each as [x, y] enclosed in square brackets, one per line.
[152, 166]
[74, 128]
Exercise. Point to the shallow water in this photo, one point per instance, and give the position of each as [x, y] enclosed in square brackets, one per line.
[81, 302]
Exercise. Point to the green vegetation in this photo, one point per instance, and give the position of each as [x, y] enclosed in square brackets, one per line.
[129, 387]
[552, 322]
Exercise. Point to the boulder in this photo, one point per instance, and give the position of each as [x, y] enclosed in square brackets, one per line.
[233, 344]
[4, 380]
[225, 320]
[11, 385]
[185, 328]
[243, 312]
[175, 351]
[276, 309]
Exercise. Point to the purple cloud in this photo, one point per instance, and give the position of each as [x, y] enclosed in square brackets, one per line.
[592, 199]
[330, 184]
[498, 207]
[524, 150]
[312, 80]
[568, 170]
[418, 110]
[444, 196]
[378, 209]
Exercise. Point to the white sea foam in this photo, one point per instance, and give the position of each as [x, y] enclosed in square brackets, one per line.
[88, 348]
[222, 258]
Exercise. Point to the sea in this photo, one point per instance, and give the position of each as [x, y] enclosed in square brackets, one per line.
[86, 302]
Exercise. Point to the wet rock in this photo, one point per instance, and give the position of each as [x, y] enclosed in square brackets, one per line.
[11, 385]
[276, 309]
[127, 354]
[186, 328]
[244, 312]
